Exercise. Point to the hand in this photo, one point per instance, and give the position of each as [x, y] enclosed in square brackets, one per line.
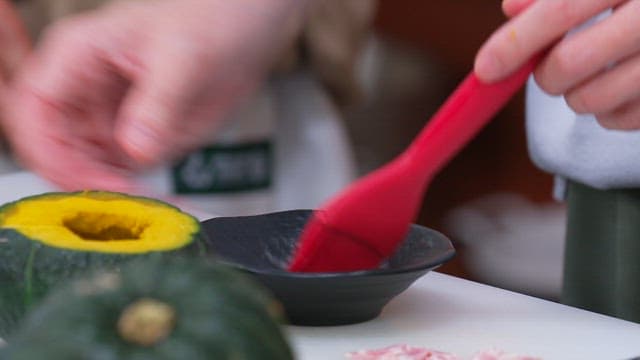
[137, 83]
[597, 70]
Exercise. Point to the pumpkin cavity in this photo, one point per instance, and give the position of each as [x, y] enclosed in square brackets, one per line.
[92, 226]
[101, 222]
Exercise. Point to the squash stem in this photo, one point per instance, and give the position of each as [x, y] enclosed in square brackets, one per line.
[146, 322]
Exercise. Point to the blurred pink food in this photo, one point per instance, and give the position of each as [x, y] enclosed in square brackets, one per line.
[407, 352]
[494, 354]
[401, 352]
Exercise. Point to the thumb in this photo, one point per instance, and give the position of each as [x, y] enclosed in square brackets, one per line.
[150, 124]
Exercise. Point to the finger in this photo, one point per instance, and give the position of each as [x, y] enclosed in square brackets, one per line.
[512, 8]
[69, 72]
[625, 117]
[154, 121]
[14, 40]
[56, 155]
[592, 50]
[609, 90]
[55, 114]
[544, 22]
[60, 70]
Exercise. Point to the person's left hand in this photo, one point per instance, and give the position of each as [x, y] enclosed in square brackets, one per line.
[597, 70]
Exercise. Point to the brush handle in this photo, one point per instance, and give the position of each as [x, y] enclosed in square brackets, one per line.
[467, 110]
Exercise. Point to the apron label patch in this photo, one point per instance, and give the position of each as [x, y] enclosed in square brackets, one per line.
[225, 168]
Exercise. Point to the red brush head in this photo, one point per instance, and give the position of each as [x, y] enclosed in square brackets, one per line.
[324, 248]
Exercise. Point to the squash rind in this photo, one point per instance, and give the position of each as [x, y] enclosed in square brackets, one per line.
[29, 267]
[220, 314]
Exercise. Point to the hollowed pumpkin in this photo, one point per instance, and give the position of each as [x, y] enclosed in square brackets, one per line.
[48, 238]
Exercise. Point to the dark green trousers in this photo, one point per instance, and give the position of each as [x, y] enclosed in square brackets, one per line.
[602, 254]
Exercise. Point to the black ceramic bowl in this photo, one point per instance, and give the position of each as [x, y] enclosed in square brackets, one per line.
[263, 244]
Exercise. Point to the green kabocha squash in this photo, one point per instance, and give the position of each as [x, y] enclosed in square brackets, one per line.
[154, 309]
[47, 238]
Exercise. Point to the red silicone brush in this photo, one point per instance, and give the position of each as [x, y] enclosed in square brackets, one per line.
[362, 226]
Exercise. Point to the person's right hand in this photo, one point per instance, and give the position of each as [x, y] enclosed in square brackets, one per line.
[597, 70]
[137, 83]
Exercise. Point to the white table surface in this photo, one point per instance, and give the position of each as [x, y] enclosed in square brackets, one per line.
[462, 317]
[449, 314]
